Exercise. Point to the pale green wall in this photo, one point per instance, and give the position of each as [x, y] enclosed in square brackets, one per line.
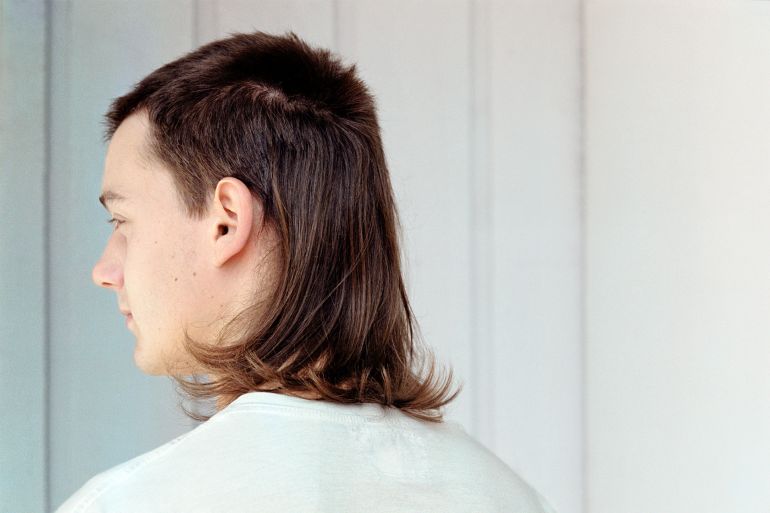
[23, 257]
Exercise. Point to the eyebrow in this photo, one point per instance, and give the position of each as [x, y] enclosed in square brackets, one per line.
[108, 196]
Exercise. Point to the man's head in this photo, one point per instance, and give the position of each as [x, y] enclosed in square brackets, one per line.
[259, 235]
[171, 271]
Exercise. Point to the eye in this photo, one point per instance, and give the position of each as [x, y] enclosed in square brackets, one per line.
[116, 221]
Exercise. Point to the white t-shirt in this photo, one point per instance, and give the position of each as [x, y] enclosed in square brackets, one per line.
[269, 452]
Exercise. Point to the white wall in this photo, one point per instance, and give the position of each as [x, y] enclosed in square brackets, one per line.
[533, 369]
[678, 256]
[479, 103]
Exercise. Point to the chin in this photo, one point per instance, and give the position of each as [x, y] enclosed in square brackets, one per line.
[147, 367]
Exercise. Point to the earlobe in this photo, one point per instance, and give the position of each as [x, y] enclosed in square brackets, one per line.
[232, 215]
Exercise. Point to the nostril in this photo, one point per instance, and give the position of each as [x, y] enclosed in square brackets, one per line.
[102, 276]
[108, 269]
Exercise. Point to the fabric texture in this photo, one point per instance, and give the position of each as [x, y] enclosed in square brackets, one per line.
[269, 452]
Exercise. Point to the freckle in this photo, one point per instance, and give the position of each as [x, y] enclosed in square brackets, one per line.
[194, 274]
[175, 279]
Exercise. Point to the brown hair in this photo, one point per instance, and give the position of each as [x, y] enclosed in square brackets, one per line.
[300, 129]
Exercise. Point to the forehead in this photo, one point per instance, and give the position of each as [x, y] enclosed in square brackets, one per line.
[127, 174]
[128, 145]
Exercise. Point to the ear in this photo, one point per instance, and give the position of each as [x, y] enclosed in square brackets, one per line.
[232, 219]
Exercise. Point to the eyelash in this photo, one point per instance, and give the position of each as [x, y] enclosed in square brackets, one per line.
[116, 221]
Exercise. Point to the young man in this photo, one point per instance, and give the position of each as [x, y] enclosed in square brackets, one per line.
[256, 241]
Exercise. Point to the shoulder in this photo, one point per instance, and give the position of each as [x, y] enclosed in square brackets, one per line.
[545, 506]
[486, 477]
[438, 467]
[91, 497]
[172, 472]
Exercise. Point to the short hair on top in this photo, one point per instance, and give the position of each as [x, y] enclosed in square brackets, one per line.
[300, 129]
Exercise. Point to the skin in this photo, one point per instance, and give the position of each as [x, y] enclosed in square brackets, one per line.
[171, 271]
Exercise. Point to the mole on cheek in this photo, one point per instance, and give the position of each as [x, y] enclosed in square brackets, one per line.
[194, 274]
[175, 278]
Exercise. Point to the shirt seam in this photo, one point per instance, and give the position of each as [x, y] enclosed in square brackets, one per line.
[348, 418]
[345, 418]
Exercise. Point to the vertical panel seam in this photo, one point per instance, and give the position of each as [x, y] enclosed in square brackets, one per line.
[582, 258]
[474, 323]
[481, 226]
[47, 131]
[195, 21]
[488, 261]
[336, 25]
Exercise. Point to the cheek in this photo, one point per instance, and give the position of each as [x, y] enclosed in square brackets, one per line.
[176, 273]
[162, 271]
[151, 274]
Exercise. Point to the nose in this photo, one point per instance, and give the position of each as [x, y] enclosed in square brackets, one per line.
[108, 271]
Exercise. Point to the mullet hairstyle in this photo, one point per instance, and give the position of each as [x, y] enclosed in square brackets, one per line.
[300, 129]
